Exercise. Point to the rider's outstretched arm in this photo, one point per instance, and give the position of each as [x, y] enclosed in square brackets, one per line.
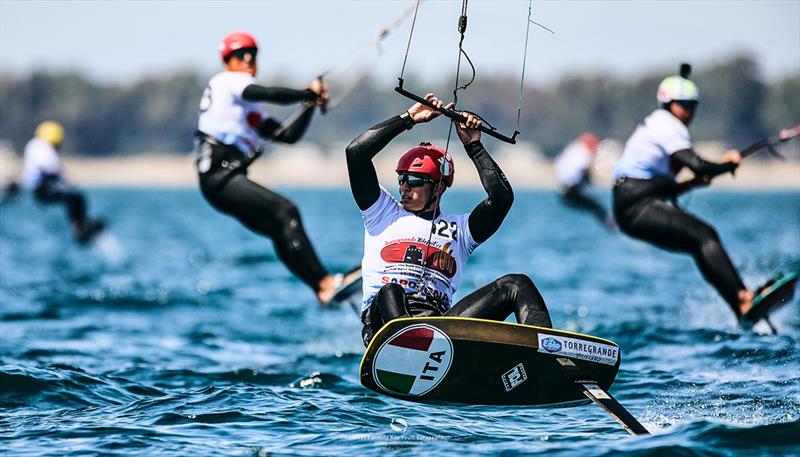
[487, 217]
[700, 166]
[363, 178]
[278, 95]
[292, 131]
[274, 130]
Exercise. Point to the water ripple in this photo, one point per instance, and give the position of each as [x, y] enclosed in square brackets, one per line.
[200, 342]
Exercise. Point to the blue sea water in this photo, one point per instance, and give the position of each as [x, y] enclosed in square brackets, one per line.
[179, 333]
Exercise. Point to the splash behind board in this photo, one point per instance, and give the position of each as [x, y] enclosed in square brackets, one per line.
[475, 361]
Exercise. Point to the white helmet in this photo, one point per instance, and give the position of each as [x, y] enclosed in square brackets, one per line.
[679, 88]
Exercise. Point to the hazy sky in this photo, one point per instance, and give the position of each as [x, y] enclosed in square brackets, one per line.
[125, 40]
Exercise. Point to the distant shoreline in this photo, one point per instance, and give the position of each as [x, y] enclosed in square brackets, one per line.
[310, 167]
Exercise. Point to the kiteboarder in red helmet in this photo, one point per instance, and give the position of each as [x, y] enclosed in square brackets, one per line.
[429, 163]
[232, 126]
[414, 254]
[573, 172]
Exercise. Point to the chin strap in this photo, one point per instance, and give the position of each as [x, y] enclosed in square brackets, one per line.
[432, 200]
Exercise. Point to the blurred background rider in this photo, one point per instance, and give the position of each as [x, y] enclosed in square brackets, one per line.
[573, 171]
[231, 126]
[43, 175]
[645, 188]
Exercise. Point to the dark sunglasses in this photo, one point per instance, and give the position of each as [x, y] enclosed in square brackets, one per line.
[240, 53]
[687, 104]
[412, 180]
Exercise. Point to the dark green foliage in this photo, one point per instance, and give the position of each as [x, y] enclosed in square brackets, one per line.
[159, 114]
[152, 115]
[733, 100]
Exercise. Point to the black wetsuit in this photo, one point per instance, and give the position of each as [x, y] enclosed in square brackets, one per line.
[225, 185]
[52, 189]
[497, 300]
[645, 209]
[10, 192]
[576, 196]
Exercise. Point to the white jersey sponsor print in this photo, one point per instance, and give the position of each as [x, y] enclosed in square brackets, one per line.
[228, 117]
[578, 349]
[648, 150]
[396, 250]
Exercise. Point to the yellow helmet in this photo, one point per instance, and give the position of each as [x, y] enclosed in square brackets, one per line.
[50, 131]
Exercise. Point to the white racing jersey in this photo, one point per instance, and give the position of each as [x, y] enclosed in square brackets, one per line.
[41, 158]
[228, 117]
[571, 165]
[396, 248]
[648, 150]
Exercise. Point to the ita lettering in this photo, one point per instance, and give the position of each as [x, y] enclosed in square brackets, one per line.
[435, 357]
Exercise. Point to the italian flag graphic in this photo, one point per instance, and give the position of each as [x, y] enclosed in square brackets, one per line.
[413, 361]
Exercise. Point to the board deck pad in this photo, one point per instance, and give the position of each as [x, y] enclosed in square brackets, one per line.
[476, 361]
[771, 299]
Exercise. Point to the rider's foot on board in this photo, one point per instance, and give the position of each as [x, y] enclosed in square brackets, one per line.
[85, 231]
[332, 284]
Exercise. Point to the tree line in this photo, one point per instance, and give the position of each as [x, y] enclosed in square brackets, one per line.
[159, 114]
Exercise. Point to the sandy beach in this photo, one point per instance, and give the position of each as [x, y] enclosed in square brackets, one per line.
[309, 166]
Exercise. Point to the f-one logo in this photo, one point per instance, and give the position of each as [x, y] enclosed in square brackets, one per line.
[514, 377]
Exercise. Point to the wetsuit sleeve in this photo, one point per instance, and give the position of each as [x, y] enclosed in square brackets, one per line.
[290, 131]
[486, 218]
[699, 166]
[277, 95]
[363, 178]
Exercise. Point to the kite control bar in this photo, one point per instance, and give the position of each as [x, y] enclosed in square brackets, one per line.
[769, 143]
[455, 115]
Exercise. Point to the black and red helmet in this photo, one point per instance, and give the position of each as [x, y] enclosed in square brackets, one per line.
[235, 41]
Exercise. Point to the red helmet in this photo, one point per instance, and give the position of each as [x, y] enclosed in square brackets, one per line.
[234, 41]
[428, 160]
[590, 141]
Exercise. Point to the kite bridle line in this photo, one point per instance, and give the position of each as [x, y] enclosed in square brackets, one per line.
[528, 23]
[462, 28]
[357, 55]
